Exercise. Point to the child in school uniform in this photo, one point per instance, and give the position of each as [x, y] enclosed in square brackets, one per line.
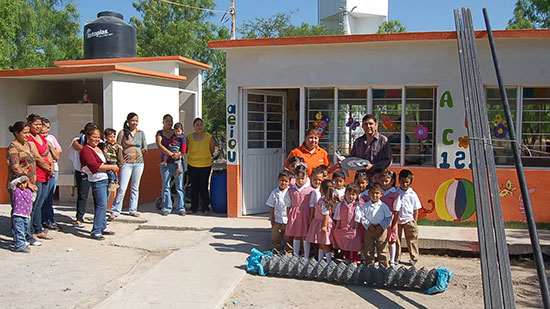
[346, 236]
[362, 181]
[407, 207]
[339, 179]
[320, 229]
[375, 216]
[292, 163]
[315, 180]
[22, 198]
[276, 203]
[297, 203]
[387, 180]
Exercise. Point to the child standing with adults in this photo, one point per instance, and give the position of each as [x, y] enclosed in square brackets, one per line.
[199, 164]
[134, 146]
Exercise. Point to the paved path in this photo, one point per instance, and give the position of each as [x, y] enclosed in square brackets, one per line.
[205, 255]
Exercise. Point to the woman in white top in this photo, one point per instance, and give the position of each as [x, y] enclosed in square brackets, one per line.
[93, 164]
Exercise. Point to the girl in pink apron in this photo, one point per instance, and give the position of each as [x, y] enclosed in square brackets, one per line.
[387, 180]
[320, 229]
[346, 236]
[297, 203]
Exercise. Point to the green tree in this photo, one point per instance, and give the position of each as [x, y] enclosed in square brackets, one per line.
[392, 26]
[279, 25]
[168, 30]
[35, 33]
[530, 14]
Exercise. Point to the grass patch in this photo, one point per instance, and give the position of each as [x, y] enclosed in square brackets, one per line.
[508, 225]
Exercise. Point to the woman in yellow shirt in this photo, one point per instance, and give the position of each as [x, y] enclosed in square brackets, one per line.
[200, 147]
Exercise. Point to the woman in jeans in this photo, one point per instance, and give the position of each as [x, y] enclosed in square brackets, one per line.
[170, 169]
[93, 164]
[134, 146]
[21, 162]
[48, 220]
[44, 173]
[200, 147]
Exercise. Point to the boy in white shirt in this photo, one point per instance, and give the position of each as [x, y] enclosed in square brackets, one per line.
[375, 216]
[407, 205]
[276, 203]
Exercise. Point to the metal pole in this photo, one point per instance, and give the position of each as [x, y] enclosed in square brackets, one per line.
[232, 12]
[535, 243]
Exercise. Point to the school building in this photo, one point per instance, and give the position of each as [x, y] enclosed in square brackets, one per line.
[278, 87]
[148, 86]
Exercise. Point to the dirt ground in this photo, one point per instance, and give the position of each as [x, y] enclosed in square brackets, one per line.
[465, 290]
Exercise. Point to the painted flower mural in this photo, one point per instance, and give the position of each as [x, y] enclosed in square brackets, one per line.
[421, 132]
[387, 123]
[463, 142]
[501, 130]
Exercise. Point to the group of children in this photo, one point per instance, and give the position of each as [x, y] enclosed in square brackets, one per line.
[366, 216]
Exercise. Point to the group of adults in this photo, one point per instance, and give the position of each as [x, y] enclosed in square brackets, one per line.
[34, 153]
[371, 146]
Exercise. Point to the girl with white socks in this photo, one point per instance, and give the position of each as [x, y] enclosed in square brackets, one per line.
[320, 229]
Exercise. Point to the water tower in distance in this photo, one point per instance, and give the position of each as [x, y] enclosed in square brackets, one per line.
[353, 16]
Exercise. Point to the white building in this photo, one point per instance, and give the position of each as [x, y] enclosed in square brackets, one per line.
[150, 87]
[353, 16]
[278, 87]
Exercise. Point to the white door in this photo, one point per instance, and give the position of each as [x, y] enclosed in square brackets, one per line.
[264, 152]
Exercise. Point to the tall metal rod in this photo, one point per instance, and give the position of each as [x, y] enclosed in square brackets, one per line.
[497, 220]
[535, 243]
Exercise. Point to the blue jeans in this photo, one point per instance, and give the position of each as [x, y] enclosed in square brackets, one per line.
[47, 207]
[166, 172]
[99, 190]
[19, 229]
[133, 170]
[112, 175]
[36, 213]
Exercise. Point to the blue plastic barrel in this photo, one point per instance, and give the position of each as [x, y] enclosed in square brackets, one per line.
[218, 191]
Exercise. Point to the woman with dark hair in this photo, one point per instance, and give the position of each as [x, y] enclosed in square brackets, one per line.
[169, 168]
[199, 164]
[48, 220]
[81, 180]
[311, 152]
[134, 146]
[44, 172]
[21, 161]
[93, 164]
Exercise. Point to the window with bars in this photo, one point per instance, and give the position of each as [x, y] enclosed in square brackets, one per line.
[498, 124]
[535, 127]
[352, 106]
[387, 110]
[265, 121]
[319, 109]
[420, 125]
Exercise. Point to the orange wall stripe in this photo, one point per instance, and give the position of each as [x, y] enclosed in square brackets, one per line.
[234, 199]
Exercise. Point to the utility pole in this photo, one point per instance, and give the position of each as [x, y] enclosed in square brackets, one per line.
[232, 12]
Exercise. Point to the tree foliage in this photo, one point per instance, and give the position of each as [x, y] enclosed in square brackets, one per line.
[530, 14]
[392, 26]
[169, 30]
[35, 33]
[279, 25]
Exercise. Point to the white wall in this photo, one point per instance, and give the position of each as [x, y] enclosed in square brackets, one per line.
[149, 98]
[379, 64]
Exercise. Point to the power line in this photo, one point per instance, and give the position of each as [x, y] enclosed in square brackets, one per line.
[194, 7]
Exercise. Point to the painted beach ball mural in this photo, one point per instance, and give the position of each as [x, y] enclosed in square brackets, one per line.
[454, 200]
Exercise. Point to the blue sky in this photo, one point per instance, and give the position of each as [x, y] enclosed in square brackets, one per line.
[420, 15]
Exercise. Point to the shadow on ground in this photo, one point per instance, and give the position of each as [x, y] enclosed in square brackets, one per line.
[241, 239]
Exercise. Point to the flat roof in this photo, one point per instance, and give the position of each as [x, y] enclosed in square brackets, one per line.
[63, 72]
[365, 38]
[84, 62]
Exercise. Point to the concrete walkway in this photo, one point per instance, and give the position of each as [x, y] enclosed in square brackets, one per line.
[208, 260]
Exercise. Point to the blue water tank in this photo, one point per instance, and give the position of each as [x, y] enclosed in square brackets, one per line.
[218, 191]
